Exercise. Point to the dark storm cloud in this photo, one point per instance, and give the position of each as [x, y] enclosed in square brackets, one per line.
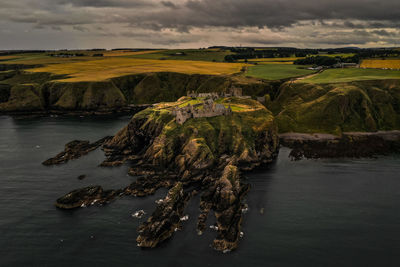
[106, 3]
[168, 4]
[270, 13]
[167, 22]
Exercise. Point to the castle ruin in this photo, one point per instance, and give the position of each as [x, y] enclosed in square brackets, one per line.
[232, 91]
[209, 109]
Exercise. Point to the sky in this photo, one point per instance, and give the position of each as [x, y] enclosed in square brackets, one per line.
[60, 24]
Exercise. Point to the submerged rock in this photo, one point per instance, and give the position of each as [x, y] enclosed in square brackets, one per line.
[82, 176]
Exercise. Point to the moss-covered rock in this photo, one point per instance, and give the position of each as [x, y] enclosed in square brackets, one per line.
[247, 137]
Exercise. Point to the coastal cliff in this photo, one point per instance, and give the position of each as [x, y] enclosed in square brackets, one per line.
[50, 95]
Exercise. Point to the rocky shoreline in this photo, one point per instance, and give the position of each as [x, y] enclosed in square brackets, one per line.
[349, 144]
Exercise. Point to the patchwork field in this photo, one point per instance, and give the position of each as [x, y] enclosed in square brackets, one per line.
[277, 71]
[381, 64]
[105, 68]
[349, 75]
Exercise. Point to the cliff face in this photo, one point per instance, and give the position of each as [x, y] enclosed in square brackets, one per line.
[336, 108]
[113, 94]
[20, 98]
[245, 138]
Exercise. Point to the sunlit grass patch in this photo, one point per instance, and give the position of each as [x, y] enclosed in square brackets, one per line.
[352, 74]
[277, 71]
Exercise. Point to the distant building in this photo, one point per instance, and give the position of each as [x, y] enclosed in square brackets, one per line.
[346, 65]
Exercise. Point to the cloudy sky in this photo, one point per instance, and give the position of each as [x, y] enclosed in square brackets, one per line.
[54, 24]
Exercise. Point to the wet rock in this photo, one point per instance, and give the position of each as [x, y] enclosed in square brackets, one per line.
[165, 219]
[138, 214]
[74, 150]
[225, 199]
[145, 186]
[85, 197]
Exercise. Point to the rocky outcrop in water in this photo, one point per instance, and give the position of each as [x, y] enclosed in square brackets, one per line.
[351, 144]
[85, 197]
[224, 196]
[165, 220]
[74, 150]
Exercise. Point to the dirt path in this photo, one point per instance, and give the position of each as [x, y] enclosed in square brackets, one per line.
[308, 76]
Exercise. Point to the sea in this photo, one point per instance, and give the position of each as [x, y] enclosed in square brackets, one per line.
[328, 212]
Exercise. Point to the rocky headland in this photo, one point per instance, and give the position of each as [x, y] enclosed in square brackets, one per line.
[204, 155]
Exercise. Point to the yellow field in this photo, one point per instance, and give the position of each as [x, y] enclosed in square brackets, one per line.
[109, 67]
[381, 64]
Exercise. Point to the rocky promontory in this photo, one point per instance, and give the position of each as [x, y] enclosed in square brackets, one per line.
[75, 149]
[204, 154]
[348, 144]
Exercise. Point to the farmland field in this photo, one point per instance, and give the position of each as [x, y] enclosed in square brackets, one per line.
[349, 75]
[277, 71]
[187, 54]
[109, 67]
[381, 64]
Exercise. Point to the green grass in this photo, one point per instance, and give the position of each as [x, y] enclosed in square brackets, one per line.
[349, 75]
[189, 54]
[337, 107]
[344, 55]
[192, 102]
[277, 71]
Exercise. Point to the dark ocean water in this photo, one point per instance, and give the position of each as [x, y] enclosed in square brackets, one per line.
[339, 212]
